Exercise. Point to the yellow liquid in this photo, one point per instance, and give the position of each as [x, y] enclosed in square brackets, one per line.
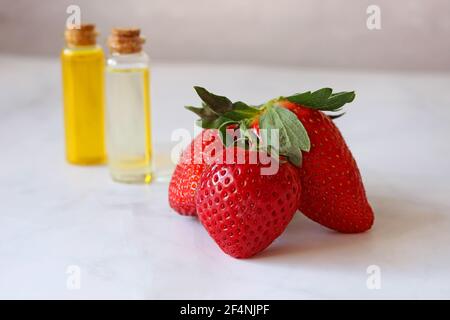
[128, 124]
[83, 83]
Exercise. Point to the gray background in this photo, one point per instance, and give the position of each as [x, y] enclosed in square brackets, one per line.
[415, 34]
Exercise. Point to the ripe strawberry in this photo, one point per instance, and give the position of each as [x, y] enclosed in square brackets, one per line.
[186, 176]
[242, 210]
[333, 193]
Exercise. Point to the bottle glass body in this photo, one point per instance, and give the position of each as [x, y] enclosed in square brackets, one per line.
[128, 117]
[83, 91]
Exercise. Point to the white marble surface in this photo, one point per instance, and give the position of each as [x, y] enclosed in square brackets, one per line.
[129, 244]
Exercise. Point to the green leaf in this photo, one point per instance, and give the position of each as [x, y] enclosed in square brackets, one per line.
[241, 111]
[215, 123]
[203, 113]
[248, 134]
[268, 121]
[218, 104]
[295, 158]
[337, 100]
[292, 134]
[337, 116]
[323, 99]
[223, 131]
[320, 96]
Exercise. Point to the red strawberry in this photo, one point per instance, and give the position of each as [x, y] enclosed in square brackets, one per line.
[333, 193]
[186, 176]
[242, 210]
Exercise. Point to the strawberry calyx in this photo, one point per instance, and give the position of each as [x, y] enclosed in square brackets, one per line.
[255, 124]
[323, 99]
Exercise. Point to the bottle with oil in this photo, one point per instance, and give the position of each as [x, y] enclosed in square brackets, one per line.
[128, 108]
[83, 90]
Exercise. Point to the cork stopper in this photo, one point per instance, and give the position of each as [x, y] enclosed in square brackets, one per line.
[125, 41]
[82, 35]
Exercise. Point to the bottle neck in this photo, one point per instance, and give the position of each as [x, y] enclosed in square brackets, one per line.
[130, 55]
[128, 60]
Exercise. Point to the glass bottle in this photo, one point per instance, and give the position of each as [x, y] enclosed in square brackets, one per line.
[128, 108]
[83, 91]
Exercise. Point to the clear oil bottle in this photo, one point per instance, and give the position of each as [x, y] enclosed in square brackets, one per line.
[128, 108]
[83, 90]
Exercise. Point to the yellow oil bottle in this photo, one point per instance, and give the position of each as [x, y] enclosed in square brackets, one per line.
[83, 91]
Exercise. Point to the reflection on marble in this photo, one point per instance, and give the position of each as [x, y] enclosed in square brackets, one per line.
[129, 244]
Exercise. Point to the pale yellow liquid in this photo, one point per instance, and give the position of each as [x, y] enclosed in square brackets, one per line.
[83, 84]
[128, 124]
